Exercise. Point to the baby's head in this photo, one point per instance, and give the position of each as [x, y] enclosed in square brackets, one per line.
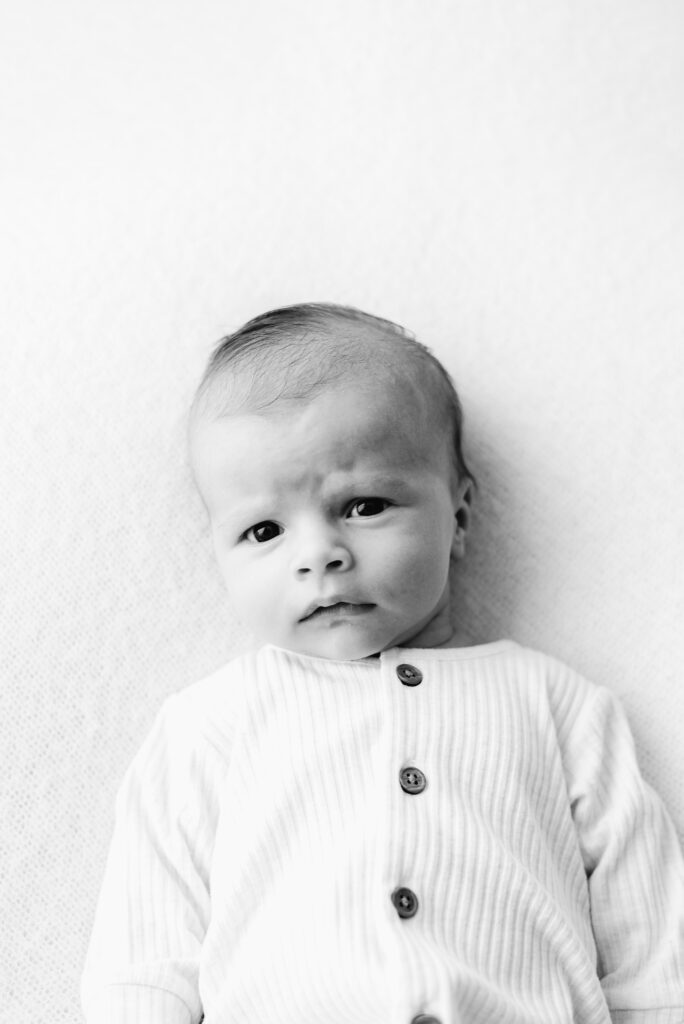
[326, 445]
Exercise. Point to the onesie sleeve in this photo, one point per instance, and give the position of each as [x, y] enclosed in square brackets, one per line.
[634, 868]
[143, 959]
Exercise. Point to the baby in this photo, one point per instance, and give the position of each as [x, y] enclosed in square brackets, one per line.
[367, 819]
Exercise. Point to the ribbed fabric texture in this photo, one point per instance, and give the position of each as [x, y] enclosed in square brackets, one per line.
[262, 830]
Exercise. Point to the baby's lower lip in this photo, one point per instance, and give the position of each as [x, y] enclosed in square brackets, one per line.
[340, 609]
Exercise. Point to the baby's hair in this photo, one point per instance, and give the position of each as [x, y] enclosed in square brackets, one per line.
[293, 353]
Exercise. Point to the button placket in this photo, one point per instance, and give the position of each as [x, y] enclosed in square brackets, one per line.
[413, 781]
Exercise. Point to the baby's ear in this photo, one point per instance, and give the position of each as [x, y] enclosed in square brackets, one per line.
[463, 500]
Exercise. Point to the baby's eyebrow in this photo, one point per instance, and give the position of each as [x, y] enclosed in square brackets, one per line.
[368, 485]
[242, 515]
[387, 481]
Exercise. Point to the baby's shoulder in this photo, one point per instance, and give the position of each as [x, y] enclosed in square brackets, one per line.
[209, 708]
[223, 685]
[570, 695]
[511, 657]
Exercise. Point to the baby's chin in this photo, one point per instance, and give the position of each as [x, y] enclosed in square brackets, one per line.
[348, 641]
[337, 644]
[340, 651]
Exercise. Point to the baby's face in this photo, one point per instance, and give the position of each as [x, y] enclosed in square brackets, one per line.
[334, 522]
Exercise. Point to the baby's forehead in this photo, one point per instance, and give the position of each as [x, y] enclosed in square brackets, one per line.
[265, 369]
[367, 399]
[298, 366]
[340, 439]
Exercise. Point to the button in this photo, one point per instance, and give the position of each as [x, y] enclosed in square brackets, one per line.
[412, 780]
[425, 1018]
[405, 902]
[409, 675]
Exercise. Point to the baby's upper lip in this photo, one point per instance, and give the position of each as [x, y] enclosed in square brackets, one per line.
[328, 602]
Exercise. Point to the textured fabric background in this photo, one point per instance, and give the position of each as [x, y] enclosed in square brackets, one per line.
[505, 179]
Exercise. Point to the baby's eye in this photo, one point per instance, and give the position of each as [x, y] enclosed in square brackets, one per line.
[262, 532]
[368, 507]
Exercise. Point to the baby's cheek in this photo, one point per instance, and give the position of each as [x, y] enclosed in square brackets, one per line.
[418, 577]
[244, 585]
[429, 570]
[257, 586]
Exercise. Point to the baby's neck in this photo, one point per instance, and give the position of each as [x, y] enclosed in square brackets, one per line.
[448, 638]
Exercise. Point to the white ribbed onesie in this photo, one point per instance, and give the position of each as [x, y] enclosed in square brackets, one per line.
[264, 828]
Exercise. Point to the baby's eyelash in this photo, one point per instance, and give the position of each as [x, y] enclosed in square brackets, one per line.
[371, 507]
[262, 532]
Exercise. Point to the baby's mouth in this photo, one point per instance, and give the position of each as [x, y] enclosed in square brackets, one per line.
[337, 610]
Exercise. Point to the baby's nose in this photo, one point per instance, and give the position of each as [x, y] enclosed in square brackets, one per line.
[323, 554]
